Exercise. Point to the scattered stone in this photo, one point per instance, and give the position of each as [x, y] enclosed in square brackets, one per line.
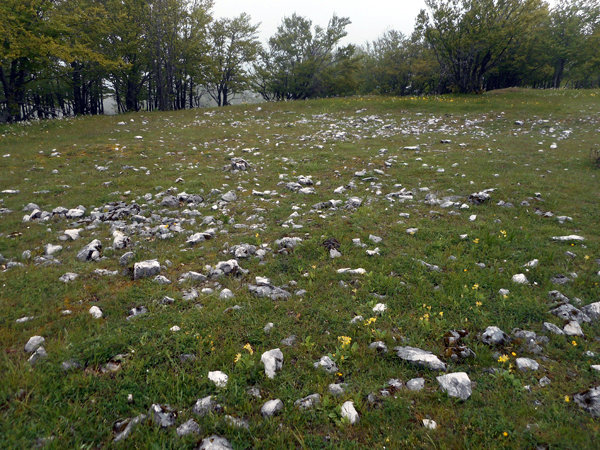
[146, 269]
[350, 413]
[219, 378]
[430, 424]
[95, 312]
[189, 427]
[416, 384]
[573, 329]
[273, 362]
[271, 408]
[520, 278]
[589, 401]
[494, 336]
[34, 343]
[90, 252]
[125, 427]
[525, 364]
[327, 364]
[215, 442]
[308, 402]
[420, 357]
[456, 385]
[163, 416]
[37, 355]
[206, 405]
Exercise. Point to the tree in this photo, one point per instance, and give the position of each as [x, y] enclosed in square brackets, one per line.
[234, 47]
[471, 37]
[573, 23]
[29, 40]
[300, 61]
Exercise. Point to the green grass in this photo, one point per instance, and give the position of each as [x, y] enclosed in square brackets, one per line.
[78, 409]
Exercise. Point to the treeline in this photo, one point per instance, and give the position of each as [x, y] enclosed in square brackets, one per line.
[64, 57]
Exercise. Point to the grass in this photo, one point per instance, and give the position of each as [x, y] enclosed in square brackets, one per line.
[42, 405]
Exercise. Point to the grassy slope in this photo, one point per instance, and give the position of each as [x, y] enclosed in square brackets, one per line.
[79, 408]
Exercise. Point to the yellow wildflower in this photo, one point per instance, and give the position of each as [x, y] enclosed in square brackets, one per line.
[237, 358]
[344, 340]
[574, 343]
[476, 241]
[249, 348]
[567, 398]
[503, 359]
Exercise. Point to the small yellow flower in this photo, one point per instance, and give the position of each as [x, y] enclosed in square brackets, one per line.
[567, 398]
[237, 358]
[505, 434]
[339, 374]
[475, 287]
[344, 340]
[249, 348]
[370, 321]
[574, 343]
[503, 359]
[478, 303]
[586, 257]
[476, 241]
[514, 354]
[464, 270]
[441, 313]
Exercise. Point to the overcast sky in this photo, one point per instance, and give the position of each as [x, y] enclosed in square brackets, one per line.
[370, 18]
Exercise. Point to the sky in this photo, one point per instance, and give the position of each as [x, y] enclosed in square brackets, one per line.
[370, 18]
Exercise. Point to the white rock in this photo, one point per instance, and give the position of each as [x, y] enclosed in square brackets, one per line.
[379, 308]
[226, 294]
[33, 343]
[524, 364]
[271, 408]
[145, 269]
[219, 378]
[520, 278]
[571, 237]
[573, 329]
[96, 312]
[532, 264]
[431, 424]
[359, 271]
[456, 385]
[273, 362]
[420, 357]
[175, 328]
[350, 413]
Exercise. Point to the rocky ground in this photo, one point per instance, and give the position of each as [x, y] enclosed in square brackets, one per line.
[349, 273]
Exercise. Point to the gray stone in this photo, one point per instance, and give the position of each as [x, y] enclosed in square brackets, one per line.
[129, 427]
[327, 364]
[34, 343]
[206, 405]
[494, 336]
[90, 252]
[525, 364]
[189, 427]
[336, 389]
[573, 329]
[416, 384]
[592, 310]
[456, 385]
[308, 402]
[589, 401]
[569, 313]
[126, 259]
[37, 356]
[215, 442]
[162, 280]
[163, 416]
[420, 357]
[349, 412]
[146, 269]
[273, 362]
[552, 328]
[271, 408]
